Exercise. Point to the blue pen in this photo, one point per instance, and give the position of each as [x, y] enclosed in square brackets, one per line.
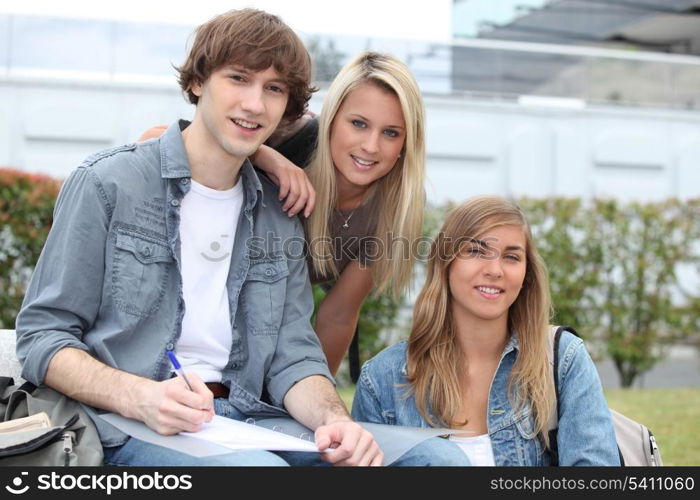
[178, 368]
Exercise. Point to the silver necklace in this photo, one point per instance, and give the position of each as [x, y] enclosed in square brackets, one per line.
[346, 220]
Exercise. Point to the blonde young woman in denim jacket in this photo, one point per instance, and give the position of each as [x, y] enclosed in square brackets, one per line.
[477, 356]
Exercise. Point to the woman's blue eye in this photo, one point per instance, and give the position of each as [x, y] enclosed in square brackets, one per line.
[391, 132]
[359, 123]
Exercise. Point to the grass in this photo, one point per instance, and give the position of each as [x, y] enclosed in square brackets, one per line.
[346, 394]
[673, 415]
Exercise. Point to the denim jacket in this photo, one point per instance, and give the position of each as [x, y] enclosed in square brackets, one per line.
[109, 282]
[585, 436]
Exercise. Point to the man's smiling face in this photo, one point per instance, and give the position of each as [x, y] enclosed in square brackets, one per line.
[240, 108]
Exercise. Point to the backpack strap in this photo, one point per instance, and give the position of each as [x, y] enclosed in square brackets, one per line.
[553, 445]
[554, 426]
[555, 361]
[27, 387]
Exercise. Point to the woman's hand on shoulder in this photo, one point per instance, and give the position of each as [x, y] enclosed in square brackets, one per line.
[295, 187]
[152, 133]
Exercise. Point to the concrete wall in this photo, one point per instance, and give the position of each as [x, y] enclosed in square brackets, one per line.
[51, 126]
[474, 147]
[504, 148]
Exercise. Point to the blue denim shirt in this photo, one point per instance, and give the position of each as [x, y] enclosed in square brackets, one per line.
[109, 282]
[586, 435]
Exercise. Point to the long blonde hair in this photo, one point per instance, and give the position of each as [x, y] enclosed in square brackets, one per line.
[435, 361]
[399, 196]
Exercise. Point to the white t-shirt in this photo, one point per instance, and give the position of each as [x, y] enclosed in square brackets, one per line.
[477, 448]
[208, 221]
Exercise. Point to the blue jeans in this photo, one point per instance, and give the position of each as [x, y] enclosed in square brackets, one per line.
[140, 453]
[431, 452]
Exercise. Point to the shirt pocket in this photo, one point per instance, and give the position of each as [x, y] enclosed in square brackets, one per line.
[264, 293]
[139, 273]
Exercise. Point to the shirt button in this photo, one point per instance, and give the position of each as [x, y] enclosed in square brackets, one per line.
[184, 181]
[234, 365]
[170, 346]
[146, 251]
[175, 202]
[268, 272]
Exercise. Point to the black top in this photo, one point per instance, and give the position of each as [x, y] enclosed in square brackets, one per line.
[354, 242]
[300, 147]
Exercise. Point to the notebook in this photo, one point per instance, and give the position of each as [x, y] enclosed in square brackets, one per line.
[37, 421]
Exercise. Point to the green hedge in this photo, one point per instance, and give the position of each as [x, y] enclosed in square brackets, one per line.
[615, 268]
[615, 271]
[26, 208]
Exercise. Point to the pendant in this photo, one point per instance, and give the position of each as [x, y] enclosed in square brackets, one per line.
[346, 225]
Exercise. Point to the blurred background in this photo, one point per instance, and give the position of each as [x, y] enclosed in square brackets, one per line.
[585, 111]
[567, 97]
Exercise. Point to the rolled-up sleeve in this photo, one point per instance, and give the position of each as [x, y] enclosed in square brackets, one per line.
[298, 353]
[65, 291]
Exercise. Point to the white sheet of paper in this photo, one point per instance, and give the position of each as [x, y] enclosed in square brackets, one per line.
[394, 440]
[227, 434]
[178, 442]
[242, 436]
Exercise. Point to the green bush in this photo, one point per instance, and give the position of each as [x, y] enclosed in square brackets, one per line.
[643, 246]
[26, 208]
[614, 273]
[562, 231]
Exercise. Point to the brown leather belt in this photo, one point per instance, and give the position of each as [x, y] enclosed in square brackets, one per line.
[218, 390]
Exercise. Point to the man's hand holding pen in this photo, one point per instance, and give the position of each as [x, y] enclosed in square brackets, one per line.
[169, 407]
[181, 403]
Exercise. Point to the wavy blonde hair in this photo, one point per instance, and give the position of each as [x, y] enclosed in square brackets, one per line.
[399, 196]
[435, 360]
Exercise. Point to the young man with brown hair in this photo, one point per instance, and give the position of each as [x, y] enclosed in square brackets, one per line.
[151, 252]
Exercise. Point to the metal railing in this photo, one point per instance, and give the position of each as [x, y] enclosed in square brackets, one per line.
[124, 52]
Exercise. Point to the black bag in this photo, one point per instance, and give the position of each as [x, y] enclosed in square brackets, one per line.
[72, 439]
[635, 442]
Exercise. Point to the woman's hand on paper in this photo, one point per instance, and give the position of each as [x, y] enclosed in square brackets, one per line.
[313, 402]
[346, 443]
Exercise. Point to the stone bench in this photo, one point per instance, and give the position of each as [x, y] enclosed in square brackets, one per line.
[9, 365]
